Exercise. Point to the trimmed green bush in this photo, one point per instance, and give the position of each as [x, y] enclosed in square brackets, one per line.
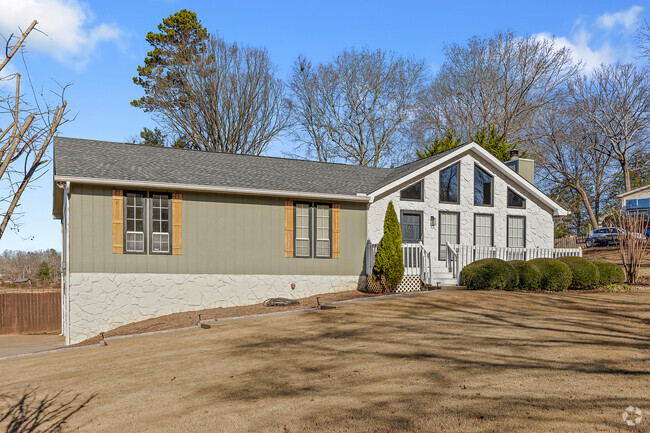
[584, 274]
[529, 275]
[609, 273]
[389, 261]
[556, 275]
[489, 274]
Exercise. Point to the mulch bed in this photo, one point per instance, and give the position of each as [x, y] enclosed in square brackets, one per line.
[190, 318]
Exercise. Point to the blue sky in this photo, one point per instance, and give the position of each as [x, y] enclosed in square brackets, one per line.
[97, 46]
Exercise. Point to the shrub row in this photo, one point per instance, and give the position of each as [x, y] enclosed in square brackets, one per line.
[574, 273]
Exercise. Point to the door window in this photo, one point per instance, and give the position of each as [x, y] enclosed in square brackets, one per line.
[449, 231]
[411, 227]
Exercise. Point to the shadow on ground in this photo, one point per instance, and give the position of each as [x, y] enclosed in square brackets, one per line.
[462, 361]
[31, 412]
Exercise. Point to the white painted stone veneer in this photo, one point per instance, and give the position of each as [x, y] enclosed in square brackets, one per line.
[102, 301]
[539, 220]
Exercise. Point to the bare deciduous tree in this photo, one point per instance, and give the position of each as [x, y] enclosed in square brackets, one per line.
[632, 242]
[24, 264]
[616, 100]
[229, 99]
[355, 107]
[31, 124]
[566, 152]
[643, 39]
[501, 81]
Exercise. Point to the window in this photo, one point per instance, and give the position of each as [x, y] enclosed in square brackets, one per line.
[411, 227]
[134, 222]
[302, 230]
[449, 184]
[448, 231]
[482, 187]
[323, 231]
[413, 192]
[515, 200]
[160, 233]
[312, 220]
[643, 203]
[484, 230]
[631, 204]
[516, 228]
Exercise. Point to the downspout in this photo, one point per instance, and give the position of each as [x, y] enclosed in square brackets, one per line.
[67, 262]
[62, 265]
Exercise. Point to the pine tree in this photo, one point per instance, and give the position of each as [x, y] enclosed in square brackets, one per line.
[439, 145]
[488, 138]
[389, 261]
[44, 272]
[179, 40]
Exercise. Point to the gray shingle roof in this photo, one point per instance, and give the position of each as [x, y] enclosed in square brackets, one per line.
[94, 159]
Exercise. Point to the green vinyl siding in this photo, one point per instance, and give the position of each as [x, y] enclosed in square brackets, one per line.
[222, 234]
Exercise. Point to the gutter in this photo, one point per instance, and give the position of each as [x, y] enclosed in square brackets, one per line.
[216, 189]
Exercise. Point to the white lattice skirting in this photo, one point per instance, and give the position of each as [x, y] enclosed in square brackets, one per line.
[410, 283]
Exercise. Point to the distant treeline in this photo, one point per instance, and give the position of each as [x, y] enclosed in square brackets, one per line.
[44, 265]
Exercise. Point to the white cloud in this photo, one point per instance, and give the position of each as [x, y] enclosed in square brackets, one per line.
[70, 34]
[627, 18]
[580, 49]
[607, 47]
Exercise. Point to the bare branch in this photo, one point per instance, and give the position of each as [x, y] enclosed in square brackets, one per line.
[33, 124]
[355, 107]
[18, 45]
[502, 81]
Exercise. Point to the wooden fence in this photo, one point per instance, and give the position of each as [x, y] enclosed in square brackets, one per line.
[30, 312]
[570, 242]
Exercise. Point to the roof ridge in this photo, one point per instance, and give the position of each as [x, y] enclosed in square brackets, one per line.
[231, 154]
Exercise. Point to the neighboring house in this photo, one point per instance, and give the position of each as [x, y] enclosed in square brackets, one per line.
[637, 200]
[23, 281]
[149, 231]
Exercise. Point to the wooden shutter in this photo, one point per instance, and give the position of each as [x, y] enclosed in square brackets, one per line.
[288, 228]
[118, 221]
[336, 231]
[177, 224]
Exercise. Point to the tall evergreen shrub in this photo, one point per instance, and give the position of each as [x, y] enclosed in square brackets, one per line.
[389, 261]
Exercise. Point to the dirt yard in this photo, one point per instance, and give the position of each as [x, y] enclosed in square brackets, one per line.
[190, 318]
[456, 361]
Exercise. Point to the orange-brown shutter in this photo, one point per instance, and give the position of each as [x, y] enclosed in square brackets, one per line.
[177, 224]
[118, 221]
[288, 228]
[336, 231]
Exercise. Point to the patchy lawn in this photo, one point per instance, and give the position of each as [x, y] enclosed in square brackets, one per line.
[456, 361]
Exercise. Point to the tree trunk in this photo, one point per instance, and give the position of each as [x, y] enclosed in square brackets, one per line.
[626, 173]
[590, 211]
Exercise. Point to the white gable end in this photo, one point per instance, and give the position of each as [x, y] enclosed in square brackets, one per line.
[538, 212]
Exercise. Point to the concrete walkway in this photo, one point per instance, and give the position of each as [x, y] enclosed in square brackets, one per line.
[11, 345]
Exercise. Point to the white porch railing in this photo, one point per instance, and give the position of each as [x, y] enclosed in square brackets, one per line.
[417, 260]
[459, 256]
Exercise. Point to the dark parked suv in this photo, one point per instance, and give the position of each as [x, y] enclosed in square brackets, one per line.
[602, 236]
